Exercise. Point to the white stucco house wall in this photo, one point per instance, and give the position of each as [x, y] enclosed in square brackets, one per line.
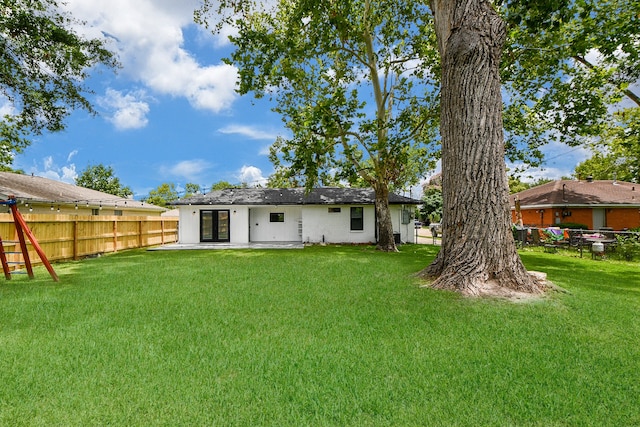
[329, 215]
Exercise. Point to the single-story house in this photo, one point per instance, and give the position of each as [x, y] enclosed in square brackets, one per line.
[596, 204]
[330, 215]
[38, 195]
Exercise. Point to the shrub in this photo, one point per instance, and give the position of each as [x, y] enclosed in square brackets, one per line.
[628, 247]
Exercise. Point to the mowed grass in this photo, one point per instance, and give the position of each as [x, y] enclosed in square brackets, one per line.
[325, 336]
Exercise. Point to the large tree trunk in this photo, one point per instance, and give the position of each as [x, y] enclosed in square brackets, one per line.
[383, 215]
[478, 249]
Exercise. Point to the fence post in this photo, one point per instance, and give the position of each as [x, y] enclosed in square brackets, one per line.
[75, 239]
[115, 235]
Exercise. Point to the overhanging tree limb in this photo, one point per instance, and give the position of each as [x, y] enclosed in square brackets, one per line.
[43, 63]
[630, 94]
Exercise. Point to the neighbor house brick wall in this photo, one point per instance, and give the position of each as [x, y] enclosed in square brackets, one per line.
[534, 218]
[531, 218]
[580, 216]
[616, 218]
[619, 218]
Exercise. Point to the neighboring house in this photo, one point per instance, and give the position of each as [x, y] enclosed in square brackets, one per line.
[171, 213]
[37, 195]
[330, 215]
[596, 204]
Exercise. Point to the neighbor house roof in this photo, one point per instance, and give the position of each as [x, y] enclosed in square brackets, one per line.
[291, 196]
[34, 189]
[579, 193]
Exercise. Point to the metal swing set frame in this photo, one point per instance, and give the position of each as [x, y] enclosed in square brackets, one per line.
[22, 229]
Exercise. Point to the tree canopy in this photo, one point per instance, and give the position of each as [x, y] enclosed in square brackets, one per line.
[102, 178]
[190, 189]
[348, 81]
[221, 185]
[565, 64]
[516, 185]
[617, 154]
[431, 209]
[164, 194]
[43, 63]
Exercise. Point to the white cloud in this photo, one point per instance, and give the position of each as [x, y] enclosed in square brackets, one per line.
[69, 173]
[223, 38]
[559, 160]
[126, 111]
[535, 174]
[71, 155]
[556, 166]
[148, 35]
[248, 132]
[252, 176]
[265, 151]
[66, 173]
[6, 107]
[191, 170]
[48, 162]
[171, 70]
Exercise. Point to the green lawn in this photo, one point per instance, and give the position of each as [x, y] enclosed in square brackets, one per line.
[325, 336]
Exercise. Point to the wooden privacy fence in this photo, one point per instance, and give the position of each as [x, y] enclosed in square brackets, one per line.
[67, 237]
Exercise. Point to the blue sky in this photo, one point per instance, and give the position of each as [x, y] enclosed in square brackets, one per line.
[171, 113]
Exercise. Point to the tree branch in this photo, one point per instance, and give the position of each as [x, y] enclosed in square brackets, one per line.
[631, 95]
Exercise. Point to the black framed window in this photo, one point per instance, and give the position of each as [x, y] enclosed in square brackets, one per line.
[276, 217]
[335, 210]
[357, 218]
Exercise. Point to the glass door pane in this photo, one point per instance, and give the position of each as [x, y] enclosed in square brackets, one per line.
[223, 226]
[206, 226]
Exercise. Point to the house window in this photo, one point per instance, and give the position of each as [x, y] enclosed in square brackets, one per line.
[406, 216]
[95, 212]
[276, 217]
[357, 218]
[334, 210]
[117, 212]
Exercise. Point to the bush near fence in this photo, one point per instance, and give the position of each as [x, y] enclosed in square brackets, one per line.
[625, 245]
[72, 237]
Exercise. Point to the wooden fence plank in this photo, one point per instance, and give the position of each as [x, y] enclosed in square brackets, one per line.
[67, 237]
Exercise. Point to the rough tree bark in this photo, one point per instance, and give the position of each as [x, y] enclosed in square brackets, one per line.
[478, 251]
[386, 241]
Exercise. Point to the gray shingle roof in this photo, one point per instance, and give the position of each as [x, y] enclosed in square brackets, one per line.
[580, 193]
[39, 189]
[292, 196]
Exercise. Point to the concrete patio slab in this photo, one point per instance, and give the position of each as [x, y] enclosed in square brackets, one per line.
[217, 246]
